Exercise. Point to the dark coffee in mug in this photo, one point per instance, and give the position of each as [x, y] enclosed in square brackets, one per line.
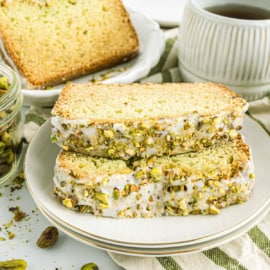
[238, 11]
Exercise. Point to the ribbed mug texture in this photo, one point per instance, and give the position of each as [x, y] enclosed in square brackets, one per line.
[230, 51]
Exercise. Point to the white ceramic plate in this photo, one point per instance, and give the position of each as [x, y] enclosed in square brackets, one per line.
[162, 251]
[167, 13]
[152, 44]
[153, 232]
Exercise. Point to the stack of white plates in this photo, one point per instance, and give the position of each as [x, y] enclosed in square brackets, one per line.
[153, 236]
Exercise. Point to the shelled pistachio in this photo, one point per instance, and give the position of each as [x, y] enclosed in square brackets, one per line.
[48, 237]
[16, 264]
[90, 266]
[10, 145]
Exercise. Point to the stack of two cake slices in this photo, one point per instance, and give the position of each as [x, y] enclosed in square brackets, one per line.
[147, 150]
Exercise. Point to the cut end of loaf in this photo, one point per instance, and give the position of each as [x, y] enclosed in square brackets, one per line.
[81, 166]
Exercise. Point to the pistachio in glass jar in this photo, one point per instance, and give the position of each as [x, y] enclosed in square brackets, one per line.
[10, 123]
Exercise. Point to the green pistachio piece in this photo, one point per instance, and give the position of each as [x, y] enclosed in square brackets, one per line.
[108, 134]
[84, 208]
[2, 147]
[90, 266]
[178, 188]
[103, 206]
[170, 210]
[213, 210]
[53, 139]
[182, 204]
[126, 190]
[6, 138]
[139, 174]
[48, 237]
[11, 157]
[3, 114]
[72, 2]
[104, 181]
[206, 120]
[226, 121]
[4, 83]
[217, 120]
[70, 201]
[16, 264]
[158, 127]
[155, 173]
[120, 213]
[116, 193]
[187, 125]
[103, 198]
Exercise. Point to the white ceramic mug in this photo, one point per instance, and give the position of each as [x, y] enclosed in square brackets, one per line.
[231, 51]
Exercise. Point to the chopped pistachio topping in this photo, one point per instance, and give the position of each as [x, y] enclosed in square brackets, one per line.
[155, 174]
[214, 210]
[139, 174]
[67, 203]
[104, 181]
[116, 193]
[108, 134]
[148, 138]
[103, 199]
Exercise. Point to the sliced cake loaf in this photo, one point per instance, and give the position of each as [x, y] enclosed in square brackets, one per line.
[51, 41]
[191, 183]
[141, 120]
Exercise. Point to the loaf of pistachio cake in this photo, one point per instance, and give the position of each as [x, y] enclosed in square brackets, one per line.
[54, 41]
[142, 120]
[200, 182]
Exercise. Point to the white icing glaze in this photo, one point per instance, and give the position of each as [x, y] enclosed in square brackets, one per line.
[155, 199]
[88, 134]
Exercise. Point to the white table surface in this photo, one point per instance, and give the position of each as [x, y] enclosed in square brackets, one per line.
[66, 254]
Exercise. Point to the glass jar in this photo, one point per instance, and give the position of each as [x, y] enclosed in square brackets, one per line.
[11, 101]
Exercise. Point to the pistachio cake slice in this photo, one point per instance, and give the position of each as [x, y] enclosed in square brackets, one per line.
[141, 120]
[200, 182]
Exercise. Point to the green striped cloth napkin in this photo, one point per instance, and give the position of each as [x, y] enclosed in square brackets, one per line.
[251, 251]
